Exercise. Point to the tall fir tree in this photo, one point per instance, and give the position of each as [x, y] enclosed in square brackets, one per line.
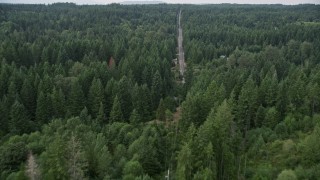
[111, 90]
[76, 100]
[45, 84]
[4, 109]
[142, 101]
[58, 103]
[12, 93]
[4, 78]
[161, 115]
[125, 97]
[156, 89]
[101, 118]
[44, 110]
[54, 160]
[29, 97]
[20, 121]
[96, 96]
[222, 121]
[116, 113]
[247, 105]
[135, 117]
[184, 163]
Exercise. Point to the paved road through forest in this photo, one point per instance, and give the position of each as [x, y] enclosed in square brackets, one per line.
[180, 49]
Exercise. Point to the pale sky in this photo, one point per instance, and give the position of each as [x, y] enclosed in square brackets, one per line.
[288, 2]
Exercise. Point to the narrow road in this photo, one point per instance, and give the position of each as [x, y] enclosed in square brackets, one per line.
[181, 61]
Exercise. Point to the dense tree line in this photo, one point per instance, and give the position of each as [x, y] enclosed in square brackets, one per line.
[215, 30]
[253, 98]
[89, 92]
[104, 69]
[63, 69]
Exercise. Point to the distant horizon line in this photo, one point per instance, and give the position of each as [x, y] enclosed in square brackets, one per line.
[153, 2]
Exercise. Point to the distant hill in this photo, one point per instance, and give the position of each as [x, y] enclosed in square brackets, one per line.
[141, 2]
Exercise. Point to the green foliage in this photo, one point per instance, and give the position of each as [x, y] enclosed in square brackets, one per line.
[250, 103]
[20, 121]
[205, 174]
[149, 150]
[184, 163]
[101, 116]
[262, 172]
[75, 99]
[58, 103]
[116, 112]
[13, 153]
[286, 175]
[194, 110]
[124, 97]
[142, 101]
[28, 96]
[222, 121]
[161, 116]
[271, 118]
[96, 96]
[135, 117]
[4, 123]
[54, 160]
[132, 168]
[156, 88]
[97, 155]
[247, 105]
[257, 147]
[309, 147]
[43, 111]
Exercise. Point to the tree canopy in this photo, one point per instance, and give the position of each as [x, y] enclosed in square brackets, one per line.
[94, 92]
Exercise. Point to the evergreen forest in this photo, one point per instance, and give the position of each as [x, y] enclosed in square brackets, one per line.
[95, 92]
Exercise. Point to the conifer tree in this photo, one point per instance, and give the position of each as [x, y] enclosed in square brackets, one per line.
[142, 101]
[135, 117]
[12, 93]
[132, 169]
[111, 90]
[184, 164]
[84, 115]
[260, 116]
[247, 105]
[4, 78]
[310, 147]
[156, 89]
[96, 96]
[97, 155]
[20, 121]
[54, 160]
[76, 99]
[221, 139]
[116, 113]
[58, 103]
[4, 109]
[43, 110]
[28, 97]
[161, 115]
[101, 118]
[271, 118]
[124, 97]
